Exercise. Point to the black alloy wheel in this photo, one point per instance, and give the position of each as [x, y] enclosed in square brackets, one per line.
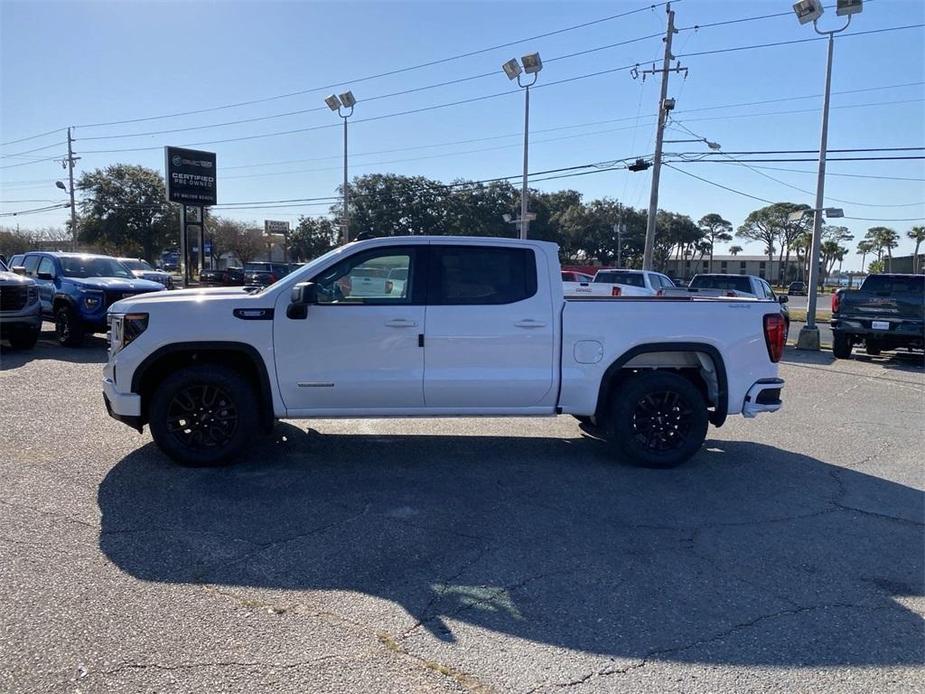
[202, 416]
[662, 421]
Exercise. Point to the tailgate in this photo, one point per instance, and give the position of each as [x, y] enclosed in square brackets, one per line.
[901, 306]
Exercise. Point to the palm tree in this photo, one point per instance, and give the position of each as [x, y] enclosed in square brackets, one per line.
[714, 229]
[735, 250]
[917, 234]
[865, 247]
[886, 239]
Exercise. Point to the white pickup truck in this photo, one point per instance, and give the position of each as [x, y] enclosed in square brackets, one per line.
[613, 282]
[479, 327]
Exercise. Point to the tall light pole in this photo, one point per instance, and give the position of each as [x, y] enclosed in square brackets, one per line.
[344, 107]
[531, 66]
[810, 11]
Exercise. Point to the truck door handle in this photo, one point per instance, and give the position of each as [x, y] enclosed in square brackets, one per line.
[530, 323]
[401, 323]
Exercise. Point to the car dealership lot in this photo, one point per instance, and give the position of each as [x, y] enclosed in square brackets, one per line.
[469, 554]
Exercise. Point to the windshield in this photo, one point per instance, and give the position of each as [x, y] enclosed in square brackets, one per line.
[633, 279]
[94, 267]
[135, 264]
[3, 266]
[738, 283]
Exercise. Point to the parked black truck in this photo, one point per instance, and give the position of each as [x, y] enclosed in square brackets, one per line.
[887, 312]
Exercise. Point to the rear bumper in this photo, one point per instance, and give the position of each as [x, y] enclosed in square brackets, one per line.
[763, 396]
[901, 333]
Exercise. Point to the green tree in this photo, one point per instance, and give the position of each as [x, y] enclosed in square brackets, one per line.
[232, 236]
[831, 252]
[714, 229]
[735, 250]
[773, 227]
[876, 266]
[865, 246]
[885, 239]
[917, 234]
[312, 237]
[124, 208]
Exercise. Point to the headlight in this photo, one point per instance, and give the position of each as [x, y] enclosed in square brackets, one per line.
[124, 328]
[32, 295]
[92, 300]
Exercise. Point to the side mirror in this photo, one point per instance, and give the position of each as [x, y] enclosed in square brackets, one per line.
[44, 276]
[18, 270]
[304, 294]
[783, 298]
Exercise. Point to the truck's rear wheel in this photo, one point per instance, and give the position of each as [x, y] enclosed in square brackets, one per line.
[657, 419]
[841, 346]
[203, 415]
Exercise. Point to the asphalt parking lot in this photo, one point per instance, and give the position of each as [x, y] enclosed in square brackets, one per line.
[465, 555]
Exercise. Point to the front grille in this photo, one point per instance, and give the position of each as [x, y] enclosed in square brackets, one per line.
[13, 298]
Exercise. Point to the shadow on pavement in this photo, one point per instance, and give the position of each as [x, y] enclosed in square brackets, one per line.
[899, 360]
[747, 555]
[92, 351]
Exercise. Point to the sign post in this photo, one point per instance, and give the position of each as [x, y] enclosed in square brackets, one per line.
[271, 227]
[191, 182]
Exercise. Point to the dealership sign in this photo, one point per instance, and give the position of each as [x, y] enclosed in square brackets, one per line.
[271, 226]
[190, 176]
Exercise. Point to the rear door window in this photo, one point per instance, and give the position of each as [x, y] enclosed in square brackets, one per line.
[480, 275]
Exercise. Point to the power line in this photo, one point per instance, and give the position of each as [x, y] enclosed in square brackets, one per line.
[791, 42]
[797, 188]
[830, 173]
[881, 219]
[27, 163]
[380, 75]
[30, 151]
[48, 208]
[31, 137]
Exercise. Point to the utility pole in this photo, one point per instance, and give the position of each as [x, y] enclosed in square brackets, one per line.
[71, 160]
[664, 106]
[619, 228]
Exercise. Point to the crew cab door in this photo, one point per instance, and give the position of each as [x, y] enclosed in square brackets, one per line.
[356, 351]
[45, 276]
[490, 328]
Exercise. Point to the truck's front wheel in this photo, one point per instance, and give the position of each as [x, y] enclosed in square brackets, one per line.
[657, 419]
[203, 415]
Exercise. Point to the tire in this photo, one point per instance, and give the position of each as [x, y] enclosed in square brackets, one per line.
[841, 346]
[68, 327]
[872, 348]
[184, 400]
[682, 420]
[24, 339]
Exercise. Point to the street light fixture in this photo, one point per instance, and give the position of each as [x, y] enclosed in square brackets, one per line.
[344, 106]
[531, 65]
[810, 11]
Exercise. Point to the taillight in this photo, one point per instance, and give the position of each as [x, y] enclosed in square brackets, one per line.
[615, 291]
[775, 335]
[836, 301]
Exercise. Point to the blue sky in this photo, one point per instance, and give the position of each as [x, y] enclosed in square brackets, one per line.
[81, 64]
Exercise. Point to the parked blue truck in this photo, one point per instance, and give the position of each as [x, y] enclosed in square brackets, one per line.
[75, 290]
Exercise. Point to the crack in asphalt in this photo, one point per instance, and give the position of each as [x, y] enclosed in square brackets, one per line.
[734, 629]
[51, 514]
[218, 663]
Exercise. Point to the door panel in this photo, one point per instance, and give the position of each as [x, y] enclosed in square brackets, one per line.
[490, 329]
[358, 349]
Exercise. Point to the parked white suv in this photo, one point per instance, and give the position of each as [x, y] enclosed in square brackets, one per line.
[481, 328]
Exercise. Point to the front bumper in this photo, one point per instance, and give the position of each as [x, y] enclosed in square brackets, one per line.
[763, 396]
[28, 319]
[124, 407]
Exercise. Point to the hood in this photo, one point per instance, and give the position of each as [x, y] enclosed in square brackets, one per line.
[142, 274]
[11, 278]
[116, 284]
[142, 302]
